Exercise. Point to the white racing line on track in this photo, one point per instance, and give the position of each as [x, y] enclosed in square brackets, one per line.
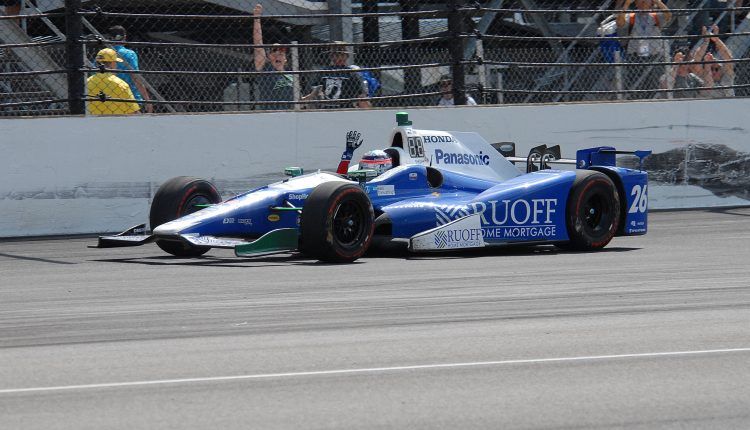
[366, 370]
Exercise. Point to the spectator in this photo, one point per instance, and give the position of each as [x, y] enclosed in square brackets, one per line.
[373, 84]
[680, 77]
[13, 8]
[719, 75]
[711, 12]
[716, 74]
[105, 85]
[271, 87]
[129, 63]
[640, 23]
[340, 83]
[446, 87]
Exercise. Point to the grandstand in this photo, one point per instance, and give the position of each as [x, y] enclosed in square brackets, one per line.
[529, 50]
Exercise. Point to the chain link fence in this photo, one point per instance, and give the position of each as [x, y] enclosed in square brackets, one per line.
[243, 55]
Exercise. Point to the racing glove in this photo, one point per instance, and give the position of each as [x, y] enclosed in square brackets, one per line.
[353, 141]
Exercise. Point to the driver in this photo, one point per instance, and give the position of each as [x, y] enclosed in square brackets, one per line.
[377, 160]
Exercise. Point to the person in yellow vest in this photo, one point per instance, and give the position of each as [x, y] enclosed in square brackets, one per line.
[105, 85]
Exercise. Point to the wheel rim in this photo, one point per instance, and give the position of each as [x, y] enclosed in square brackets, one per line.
[348, 223]
[596, 214]
[196, 203]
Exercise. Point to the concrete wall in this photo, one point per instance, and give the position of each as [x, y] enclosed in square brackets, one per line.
[88, 175]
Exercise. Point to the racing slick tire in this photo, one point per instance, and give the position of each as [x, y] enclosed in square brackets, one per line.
[337, 223]
[176, 198]
[593, 212]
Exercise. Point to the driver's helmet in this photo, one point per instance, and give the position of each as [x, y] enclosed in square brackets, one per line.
[377, 160]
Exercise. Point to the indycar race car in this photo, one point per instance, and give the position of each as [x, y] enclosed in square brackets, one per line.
[431, 191]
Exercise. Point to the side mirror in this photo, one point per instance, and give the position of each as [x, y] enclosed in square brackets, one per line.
[506, 149]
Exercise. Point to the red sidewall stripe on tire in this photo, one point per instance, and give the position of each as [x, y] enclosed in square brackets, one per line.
[615, 220]
[184, 199]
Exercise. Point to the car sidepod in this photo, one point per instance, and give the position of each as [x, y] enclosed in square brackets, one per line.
[527, 209]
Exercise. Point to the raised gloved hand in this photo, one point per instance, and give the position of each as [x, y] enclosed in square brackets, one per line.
[353, 141]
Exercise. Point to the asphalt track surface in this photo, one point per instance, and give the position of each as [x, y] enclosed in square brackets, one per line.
[652, 332]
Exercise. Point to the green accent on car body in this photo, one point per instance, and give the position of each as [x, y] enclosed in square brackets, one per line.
[402, 119]
[363, 174]
[275, 241]
[294, 171]
[284, 208]
[203, 206]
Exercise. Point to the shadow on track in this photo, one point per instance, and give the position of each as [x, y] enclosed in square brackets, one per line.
[41, 260]
[504, 251]
[389, 252]
[743, 211]
[298, 259]
[209, 261]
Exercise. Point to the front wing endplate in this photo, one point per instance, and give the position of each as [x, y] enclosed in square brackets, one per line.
[131, 237]
[273, 242]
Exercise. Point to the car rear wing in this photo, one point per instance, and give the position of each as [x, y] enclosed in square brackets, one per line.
[542, 157]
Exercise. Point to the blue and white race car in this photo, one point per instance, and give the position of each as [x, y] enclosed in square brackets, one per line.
[429, 190]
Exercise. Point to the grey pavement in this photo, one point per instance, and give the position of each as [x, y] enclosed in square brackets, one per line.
[652, 332]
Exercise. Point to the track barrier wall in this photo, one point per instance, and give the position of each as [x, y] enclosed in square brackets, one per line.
[80, 175]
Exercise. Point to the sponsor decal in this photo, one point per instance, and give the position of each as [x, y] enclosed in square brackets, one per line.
[480, 159]
[507, 219]
[298, 196]
[273, 217]
[463, 233]
[213, 241]
[245, 221]
[459, 238]
[518, 212]
[386, 190]
[519, 232]
[411, 205]
[412, 176]
[438, 139]
[637, 227]
[446, 214]
[228, 221]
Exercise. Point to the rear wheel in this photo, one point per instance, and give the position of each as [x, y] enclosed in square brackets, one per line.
[176, 198]
[337, 223]
[593, 211]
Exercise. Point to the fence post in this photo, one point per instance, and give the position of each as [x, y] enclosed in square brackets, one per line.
[455, 29]
[74, 57]
[297, 89]
[410, 54]
[668, 73]
[618, 75]
[481, 72]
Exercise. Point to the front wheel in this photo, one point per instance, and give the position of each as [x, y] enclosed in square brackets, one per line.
[593, 211]
[337, 223]
[176, 198]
